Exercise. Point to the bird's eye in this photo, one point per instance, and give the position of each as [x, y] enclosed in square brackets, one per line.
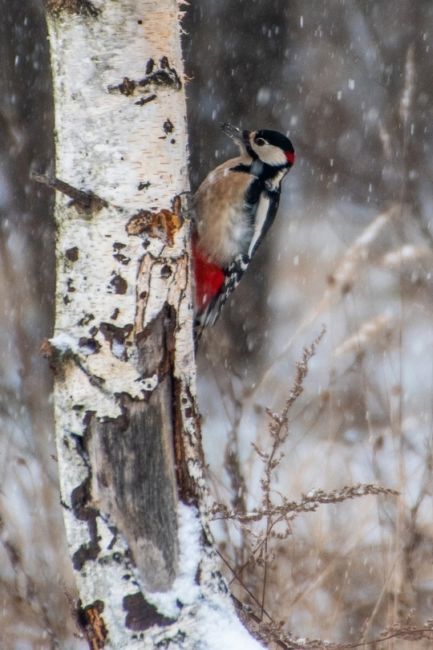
[259, 142]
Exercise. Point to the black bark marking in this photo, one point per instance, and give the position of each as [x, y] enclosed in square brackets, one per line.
[168, 126]
[85, 320]
[91, 344]
[118, 284]
[80, 502]
[150, 64]
[166, 271]
[127, 86]
[145, 100]
[113, 333]
[141, 615]
[72, 254]
[163, 75]
[123, 259]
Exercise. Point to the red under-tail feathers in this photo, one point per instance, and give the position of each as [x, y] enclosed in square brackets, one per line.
[209, 278]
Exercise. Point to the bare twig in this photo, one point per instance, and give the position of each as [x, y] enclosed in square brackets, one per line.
[309, 503]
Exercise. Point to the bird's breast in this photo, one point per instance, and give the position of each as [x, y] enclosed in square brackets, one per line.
[228, 237]
[222, 218]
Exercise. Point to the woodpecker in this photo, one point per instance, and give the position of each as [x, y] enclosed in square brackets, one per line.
[233, 209]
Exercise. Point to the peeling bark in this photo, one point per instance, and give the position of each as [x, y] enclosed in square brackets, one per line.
[134, 482]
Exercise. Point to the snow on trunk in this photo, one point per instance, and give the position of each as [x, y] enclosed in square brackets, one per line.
[122, 350]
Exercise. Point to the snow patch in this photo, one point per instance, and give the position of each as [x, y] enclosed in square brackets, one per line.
[222, 629]
[64, 343]
[212, 612]
[185, 590]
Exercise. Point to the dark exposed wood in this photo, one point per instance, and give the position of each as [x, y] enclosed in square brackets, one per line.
[132, 463]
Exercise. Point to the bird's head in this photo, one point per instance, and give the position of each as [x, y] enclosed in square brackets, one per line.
[270, 147]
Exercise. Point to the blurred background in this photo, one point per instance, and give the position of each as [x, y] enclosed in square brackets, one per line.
[351, 250]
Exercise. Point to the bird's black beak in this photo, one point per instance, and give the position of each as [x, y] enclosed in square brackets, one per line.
[240, 137]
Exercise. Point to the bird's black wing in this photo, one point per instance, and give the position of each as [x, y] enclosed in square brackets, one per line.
[263, 215]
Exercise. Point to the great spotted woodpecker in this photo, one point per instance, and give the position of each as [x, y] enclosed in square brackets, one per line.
[233, 209]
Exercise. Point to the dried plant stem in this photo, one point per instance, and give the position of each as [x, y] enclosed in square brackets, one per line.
[279, 431]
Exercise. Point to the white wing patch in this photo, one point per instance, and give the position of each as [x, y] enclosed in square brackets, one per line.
[261, 216]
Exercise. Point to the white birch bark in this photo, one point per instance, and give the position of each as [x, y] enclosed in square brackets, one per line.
[122, 349]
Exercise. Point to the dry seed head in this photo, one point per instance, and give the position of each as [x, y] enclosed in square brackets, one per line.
[371, 332]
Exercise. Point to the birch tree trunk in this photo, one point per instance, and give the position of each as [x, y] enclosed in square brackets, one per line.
[128, 447]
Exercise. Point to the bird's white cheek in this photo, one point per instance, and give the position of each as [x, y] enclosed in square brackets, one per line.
[273, 156]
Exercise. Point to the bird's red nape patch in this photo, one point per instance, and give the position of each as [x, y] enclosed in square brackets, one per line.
[209, 279]
[290, 156]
